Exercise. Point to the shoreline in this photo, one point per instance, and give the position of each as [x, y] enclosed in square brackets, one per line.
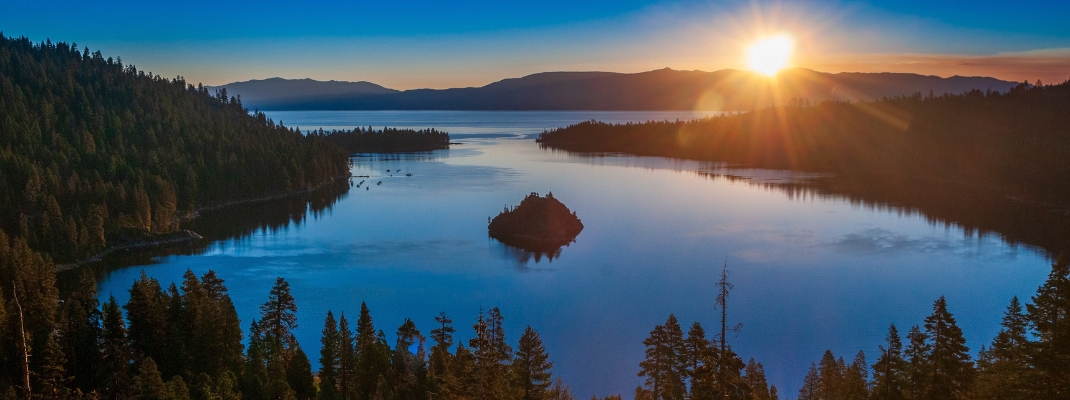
[186, 235]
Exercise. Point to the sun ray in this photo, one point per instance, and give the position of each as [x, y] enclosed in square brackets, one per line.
[770, 55]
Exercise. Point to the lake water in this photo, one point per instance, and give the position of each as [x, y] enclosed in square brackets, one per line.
[810, 272]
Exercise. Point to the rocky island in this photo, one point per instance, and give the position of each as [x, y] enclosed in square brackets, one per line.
[539, 224]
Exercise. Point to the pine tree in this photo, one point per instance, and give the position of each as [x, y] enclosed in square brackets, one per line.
[754, 376]
[696, 350]
[443, 335]
[676, 387]
[219, 327]
[373, 357]
[1004, 371]
[329, 359]
[917, 376]
[951, 371]
[148, 384]
[409, 368]
[116, 355]
[50, 379]
[79, 334]
[830, 377]
[1049, 315]
[347, 360]
[531, 367]
[809, 389]
[147, 315]
[856, 377]
[464, 369]
[442, 382]
[889, 369]
[657, 367]
[278, 318]
[299, 375]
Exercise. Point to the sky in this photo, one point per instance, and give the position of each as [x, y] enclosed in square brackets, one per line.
[440, 44]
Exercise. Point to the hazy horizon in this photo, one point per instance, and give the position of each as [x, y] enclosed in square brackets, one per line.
[427, 45]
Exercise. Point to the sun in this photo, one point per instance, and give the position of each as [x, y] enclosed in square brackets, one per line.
[769, 55]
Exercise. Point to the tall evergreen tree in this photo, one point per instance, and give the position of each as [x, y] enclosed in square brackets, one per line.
[329, 359]
[809, 389]
[917, 376]
[299, 375]
[830, 377]
[278, 318]
[442, 383]
[79, 334]
[856, 379]
[147, 314]
[696, 351]
[889, 369]
[1004, 370]
[409, 365]
[117, 354]
[347, 360]
[373, 357]
[531, 367]
[754, 376]
[1049, 315]
[950, 368]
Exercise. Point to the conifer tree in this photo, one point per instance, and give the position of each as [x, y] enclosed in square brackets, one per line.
[696, 350]
[856, 379]
[278, 318]
[219, 323]
[409, 368]
[531, 367]
[830, 377]
[676, 387]
[148, 384]
[465, 370]
[347, 360]
[1049, 315]
[147, 315]
[950, 368]
[373, 357]
[917, 376]
[754, 376]
[809, 389]
[50, 379]
[116, 355]
[889, 368]
[299, 375]
[442, 383]
[329, 359]
[79, 334]
[1004, 370]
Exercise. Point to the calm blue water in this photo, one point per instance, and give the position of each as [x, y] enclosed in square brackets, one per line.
[810, 273]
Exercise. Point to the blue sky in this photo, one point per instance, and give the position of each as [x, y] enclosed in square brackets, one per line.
[411, 44]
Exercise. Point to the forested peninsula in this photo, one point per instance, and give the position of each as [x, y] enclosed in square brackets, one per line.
[92, 149]
[957, 158]
[387, 140]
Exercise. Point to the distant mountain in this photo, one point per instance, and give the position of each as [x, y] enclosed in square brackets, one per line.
[663, 89]
[279, 91]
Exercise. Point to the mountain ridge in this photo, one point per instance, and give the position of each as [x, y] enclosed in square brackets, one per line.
[662, 89]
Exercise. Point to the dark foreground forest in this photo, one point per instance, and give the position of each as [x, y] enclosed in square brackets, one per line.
[989, 161]
[186, 342]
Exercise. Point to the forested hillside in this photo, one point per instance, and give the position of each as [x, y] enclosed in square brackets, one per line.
[956, 158]
[90, 147]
